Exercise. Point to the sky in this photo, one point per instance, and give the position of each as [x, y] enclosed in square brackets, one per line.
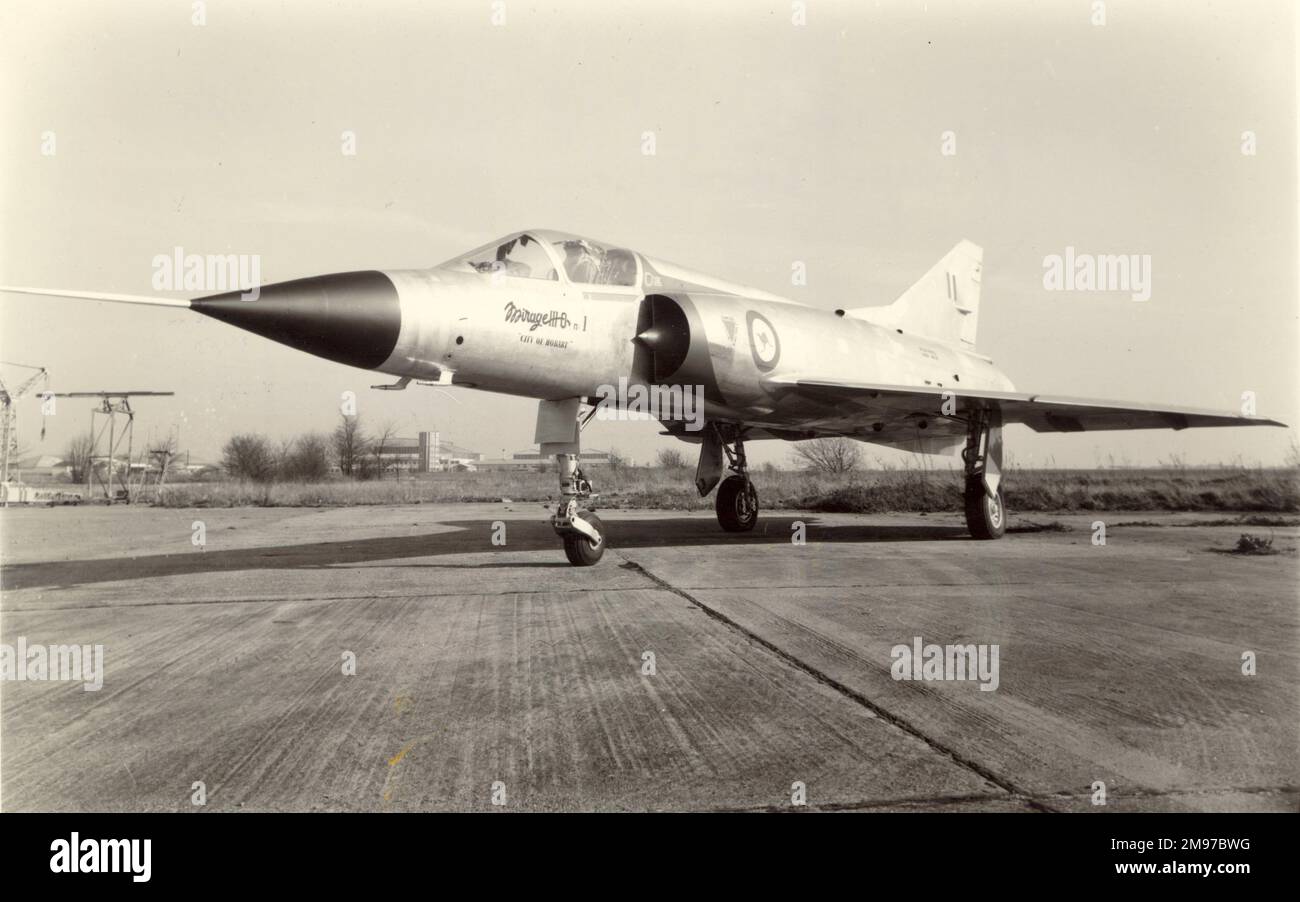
[775, 142]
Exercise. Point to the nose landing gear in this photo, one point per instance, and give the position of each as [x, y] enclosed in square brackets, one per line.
[580, 529]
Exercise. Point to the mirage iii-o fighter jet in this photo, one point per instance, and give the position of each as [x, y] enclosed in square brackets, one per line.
[565, 319]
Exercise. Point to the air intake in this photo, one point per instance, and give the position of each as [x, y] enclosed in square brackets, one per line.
[663, 338]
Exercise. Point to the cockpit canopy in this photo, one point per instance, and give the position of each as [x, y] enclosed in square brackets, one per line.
[545, 255]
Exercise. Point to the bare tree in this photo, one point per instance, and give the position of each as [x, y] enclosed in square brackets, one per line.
[670, 459]
[249, 456]
[350, 445]
[77, 456]
[283, 453]
[162, 451]
[305, 459]
[829, 455]
[380, 443]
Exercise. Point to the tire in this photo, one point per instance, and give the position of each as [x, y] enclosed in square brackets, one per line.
[580, 550]
[986, 517]
[737, 504]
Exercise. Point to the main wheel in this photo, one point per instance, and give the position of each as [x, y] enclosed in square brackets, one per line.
[986, 517]
[737, 504]
[580, 550]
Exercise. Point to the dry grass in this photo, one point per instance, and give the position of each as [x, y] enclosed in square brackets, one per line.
[1269, 490]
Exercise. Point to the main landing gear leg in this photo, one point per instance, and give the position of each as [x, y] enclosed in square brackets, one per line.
[581, 530]
[986, 514]
[737, 502]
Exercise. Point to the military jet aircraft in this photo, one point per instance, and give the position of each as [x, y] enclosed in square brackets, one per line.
[561, 318]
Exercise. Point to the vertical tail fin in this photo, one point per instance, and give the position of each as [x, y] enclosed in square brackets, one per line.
[943, 305]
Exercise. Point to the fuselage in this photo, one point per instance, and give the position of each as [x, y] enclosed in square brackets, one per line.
[553, 316]
[554, 338]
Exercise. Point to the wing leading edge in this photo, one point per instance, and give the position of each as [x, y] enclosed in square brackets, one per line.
[1042, 413]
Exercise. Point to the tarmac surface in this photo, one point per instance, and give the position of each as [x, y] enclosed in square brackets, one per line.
[489, 671]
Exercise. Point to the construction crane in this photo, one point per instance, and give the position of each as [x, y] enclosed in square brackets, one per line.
[111, 481]
[9, 423]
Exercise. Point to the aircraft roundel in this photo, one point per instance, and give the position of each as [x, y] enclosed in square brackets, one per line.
[763, 341]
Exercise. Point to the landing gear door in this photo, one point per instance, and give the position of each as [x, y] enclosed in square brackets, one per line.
[557, 426]
[709, 470]
[993, 453]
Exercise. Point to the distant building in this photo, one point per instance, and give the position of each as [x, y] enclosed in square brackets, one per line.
[505, 463]
[43, 465]
[586, 456]
[531, 458]
[425, 453]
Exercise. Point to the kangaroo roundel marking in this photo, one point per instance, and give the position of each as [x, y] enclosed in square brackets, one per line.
[763, 341]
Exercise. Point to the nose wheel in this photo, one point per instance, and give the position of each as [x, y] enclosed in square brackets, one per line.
[580, 547]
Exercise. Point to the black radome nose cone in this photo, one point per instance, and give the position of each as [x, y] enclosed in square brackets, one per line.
[349, 317]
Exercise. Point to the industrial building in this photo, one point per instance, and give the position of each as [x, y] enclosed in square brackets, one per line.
[427, 452]
[530, 458]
